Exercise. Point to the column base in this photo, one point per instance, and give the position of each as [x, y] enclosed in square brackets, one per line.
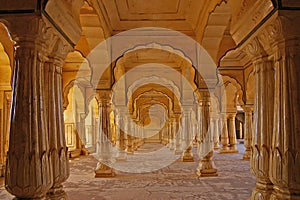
[285, 194]
[104, 171]
[207, 172]
[233, 149]
[37, 198]
[228, 150]
[84, 151]
[216, 146]
[262, 191]
[187, 159]
[74, 153]
[130, 150]
[164, 142]
[224, 149]
[206, 167]
[57, 193]
[187, 156]
[247, 155]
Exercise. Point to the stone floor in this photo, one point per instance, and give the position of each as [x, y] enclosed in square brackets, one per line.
[175, 181]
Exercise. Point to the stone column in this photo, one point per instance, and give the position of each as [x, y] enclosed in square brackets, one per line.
[57, 141]
[172, 134]
[232, 133]
[186, 134]
[263, 119]
[29, 171]
[224, 134]
[248, 110]
[215, 128]
[82, 138]
[206, 166]
[121, 145]
[104, 145]
[284, 169]
[128, 132]
[178, 149]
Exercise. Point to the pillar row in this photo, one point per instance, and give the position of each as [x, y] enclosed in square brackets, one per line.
[206, 165]
[104, 145]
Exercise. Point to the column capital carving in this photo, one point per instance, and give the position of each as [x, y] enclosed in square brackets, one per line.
[202, 96]
[60, 50]
[254, 49]
[282, 27]
[103, 96]
[230, 115]
[248, 108]
[32, 31]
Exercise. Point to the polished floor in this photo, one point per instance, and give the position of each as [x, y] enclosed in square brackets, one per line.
[175, 181]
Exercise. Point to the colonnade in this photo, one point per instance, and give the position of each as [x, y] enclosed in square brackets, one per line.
[37, 158]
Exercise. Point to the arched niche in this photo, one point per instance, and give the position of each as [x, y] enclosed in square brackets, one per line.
[154, 91]
[250, 89]
[151, 65]
[91, 125]
[7, 45]
[233, 94]
[72, 117]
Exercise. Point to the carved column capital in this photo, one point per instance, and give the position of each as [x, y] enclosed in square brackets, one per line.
[202, 96]
[248, 108]
[254, 49]
[32, 31]
[103, 96]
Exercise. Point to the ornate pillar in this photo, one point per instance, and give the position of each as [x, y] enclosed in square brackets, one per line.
[121, 144]
[186, 134]
[178, 149]
[57, 142]
[232, 133]
[224, 134]
[82, 138]
[215, 128]
[284, 167]
[206, 166]
[29, 171]
[248, 110]
[172, 133]
[128, 131]
[263, 119]
[104, 145]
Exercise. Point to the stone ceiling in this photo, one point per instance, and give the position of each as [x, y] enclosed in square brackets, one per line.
[180, 15]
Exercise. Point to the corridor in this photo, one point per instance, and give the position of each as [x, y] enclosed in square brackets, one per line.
[177, 181]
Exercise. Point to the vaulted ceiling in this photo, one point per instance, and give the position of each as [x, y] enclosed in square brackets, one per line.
[180, 15]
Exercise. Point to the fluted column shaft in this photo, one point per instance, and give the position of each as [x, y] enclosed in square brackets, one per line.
[186, 135]
[215, 129]
[263, 120]
[224, 134]
[120, 139]
[57, 141]
[172, 133]
[248, 110]
[206, 166]
[129, 133]
[232, 133]
[104, 145]
[285, 145]
[29, 170]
